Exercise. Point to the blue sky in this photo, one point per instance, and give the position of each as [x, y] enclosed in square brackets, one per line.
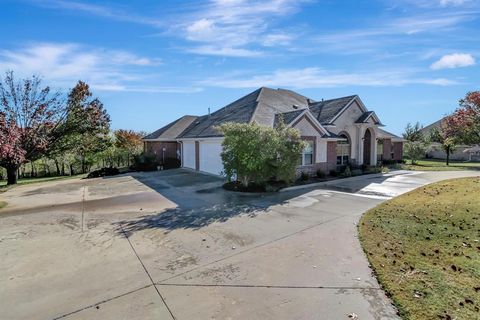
[151, 62]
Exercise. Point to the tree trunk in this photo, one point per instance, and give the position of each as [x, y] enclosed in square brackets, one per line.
[448, 156]
[47, 168]
[12, 174]
[57, 166]
[83, 164]
[71, 170]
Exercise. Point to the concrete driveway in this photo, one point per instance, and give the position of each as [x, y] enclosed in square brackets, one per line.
[173, 244]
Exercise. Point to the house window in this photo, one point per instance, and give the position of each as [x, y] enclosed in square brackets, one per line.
[343, 151]
[306, 158]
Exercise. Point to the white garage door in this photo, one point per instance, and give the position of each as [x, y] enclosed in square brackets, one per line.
[189, 155]
[210, 159]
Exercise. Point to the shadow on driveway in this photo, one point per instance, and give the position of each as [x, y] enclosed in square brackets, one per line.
[201, 200]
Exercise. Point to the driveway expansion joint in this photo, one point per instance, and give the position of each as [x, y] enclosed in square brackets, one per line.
[254, 247]
[254, 286]
[101, 302]
[146, 271]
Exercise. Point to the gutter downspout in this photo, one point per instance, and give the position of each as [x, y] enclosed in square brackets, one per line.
[181, 153]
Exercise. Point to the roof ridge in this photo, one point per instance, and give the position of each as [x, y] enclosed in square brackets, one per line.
[296, 110]
[257, 100]
[333, 99]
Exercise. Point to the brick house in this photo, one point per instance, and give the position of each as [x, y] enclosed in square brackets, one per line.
[338, 132]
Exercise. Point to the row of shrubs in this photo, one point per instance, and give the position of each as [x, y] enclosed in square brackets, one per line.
[346, 171]
[148, 162]
[142, 162]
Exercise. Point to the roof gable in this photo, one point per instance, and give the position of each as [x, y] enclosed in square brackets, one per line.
[436, 125]
[327, 111]
[367, 116]
[307, 115]
[260, 106]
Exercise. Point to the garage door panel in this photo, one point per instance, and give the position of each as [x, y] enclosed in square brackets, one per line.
[189, 155]
[210, 157]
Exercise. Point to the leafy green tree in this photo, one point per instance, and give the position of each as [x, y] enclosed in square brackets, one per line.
[85, 130]
[415, 150]
[254, 153]
[413, 132]
[416, 145]
[289, 146]
[443, 137]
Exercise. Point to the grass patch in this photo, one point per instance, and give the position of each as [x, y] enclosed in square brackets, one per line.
[3, 204]
[3, 184]
[440, 165]
[424, 247]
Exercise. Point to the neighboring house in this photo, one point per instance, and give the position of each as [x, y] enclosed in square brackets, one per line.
[435, 150]
[338, 131]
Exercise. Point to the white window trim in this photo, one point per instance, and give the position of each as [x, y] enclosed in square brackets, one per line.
[312, 153]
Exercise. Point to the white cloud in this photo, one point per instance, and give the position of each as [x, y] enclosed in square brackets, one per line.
[63, 64]
[225, 51]
[400, 35]
[98, 10]
[455, 60]
[321, 78]
[445, 3]
[433, 3]
[278, 39]
[232, 27]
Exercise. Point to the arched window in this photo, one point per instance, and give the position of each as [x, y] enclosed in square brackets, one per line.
[343, 150]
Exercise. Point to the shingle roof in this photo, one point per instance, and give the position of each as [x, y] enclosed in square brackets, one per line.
[325, 111]
[436, 125]
[364, 117]
[288, 117]
[273, 101]
[385, 134]
[172, 130]
[260, 107]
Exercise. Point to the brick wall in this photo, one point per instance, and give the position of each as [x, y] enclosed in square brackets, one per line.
[398, 151]
[331, 163]
[156, 148]
[331, 155]
[312, 169]
[387, 149]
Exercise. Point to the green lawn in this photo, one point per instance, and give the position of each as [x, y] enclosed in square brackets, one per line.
[440, 165]
[3, 183]
[424, 247]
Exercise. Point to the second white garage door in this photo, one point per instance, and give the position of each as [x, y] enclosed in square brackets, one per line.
[210, 159]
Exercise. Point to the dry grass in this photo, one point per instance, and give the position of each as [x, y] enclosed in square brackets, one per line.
[424, 247]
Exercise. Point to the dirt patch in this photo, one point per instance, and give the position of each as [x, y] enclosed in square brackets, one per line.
[221, 274]
[237, 239]
[69, 223]
[182, 262]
